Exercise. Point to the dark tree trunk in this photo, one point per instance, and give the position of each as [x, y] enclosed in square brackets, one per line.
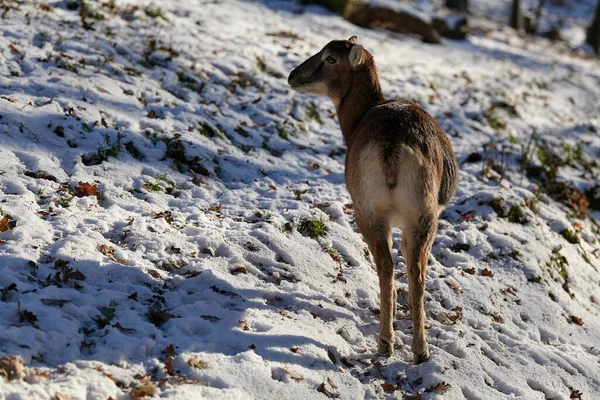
[538, 15]
[458, 5]
[593, 33]
[516, 19]
[334, 5]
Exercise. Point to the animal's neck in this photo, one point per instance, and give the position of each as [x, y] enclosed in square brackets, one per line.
[364, 94]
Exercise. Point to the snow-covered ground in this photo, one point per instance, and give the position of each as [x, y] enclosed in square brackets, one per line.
[160, 177]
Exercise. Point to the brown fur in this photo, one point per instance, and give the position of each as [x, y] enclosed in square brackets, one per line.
[400, 171]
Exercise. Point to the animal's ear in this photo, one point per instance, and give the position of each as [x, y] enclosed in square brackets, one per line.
[357, 55]
[353, 39]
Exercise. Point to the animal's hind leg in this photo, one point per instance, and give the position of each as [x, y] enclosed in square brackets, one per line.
[416, 245]
[376, 232]
[394, 292]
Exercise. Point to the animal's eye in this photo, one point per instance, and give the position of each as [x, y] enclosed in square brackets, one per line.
[331, 60]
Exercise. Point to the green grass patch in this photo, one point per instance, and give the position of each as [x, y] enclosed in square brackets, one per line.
[558, 263]
[313, 228]
[494, 120]
[263, 67]
[570, 236]
[312, 113]
[516, 214]
[207, 130]
[134, 151]
[152, 186]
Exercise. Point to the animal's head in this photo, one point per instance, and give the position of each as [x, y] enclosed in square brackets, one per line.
[329, 72]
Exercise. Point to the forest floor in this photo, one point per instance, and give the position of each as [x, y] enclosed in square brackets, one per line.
[175, 221]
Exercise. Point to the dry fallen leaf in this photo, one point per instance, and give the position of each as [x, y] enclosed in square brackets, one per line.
[14, 49]
[196, 362]
[333, 385]
[146, 390]
[243, 325]
[85, 189]
[9, 99]
[326, 392]
[7, 223]
[497, 317]
[27, 316]
[577, 320]
[487, 272]
[154, 273]
[455, 317]
[169, 366]
[11, 367]
[293, 374]
[439, 388]
[454, 285]
[186, 380]
[108, 251]
[106, 374]
[294, 349]
[60, 396]
[169, 350]
[239, 270]
[6, 289]
[575, 394]
[388, 387]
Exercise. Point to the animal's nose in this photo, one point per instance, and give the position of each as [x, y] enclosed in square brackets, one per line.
[292, 76]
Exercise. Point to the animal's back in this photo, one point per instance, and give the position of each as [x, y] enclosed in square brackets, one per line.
[396, 125]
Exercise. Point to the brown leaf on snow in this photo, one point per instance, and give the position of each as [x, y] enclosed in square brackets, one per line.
[106, 374]
[36, 376]
[187, 381]
[14, 49]
[439, 388]
[575, 394]
[239, 270]
[243, 325]
[577, 320]
[84, 189]
[497, 317]
[169, 366]
[470, 271]
[322, 389]
[60, 396]
[333, 385]
[7, 223]
[169, 350]
[9, 99]
[293, 374]
[294, 349]
[487, 272]
[455, 317]
[454, 285]
[215, 207]
[196, 362]
[388, 387]
[11, 367]
[6, 289]
[140, 393]
[109, 252]
[27, 316]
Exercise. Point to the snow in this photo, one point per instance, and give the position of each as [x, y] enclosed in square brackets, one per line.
[211, 261]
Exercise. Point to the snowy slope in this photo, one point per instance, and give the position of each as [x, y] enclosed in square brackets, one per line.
[159, 171]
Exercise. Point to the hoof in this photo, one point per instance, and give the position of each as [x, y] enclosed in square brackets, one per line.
[385, 348]
[421, 358]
